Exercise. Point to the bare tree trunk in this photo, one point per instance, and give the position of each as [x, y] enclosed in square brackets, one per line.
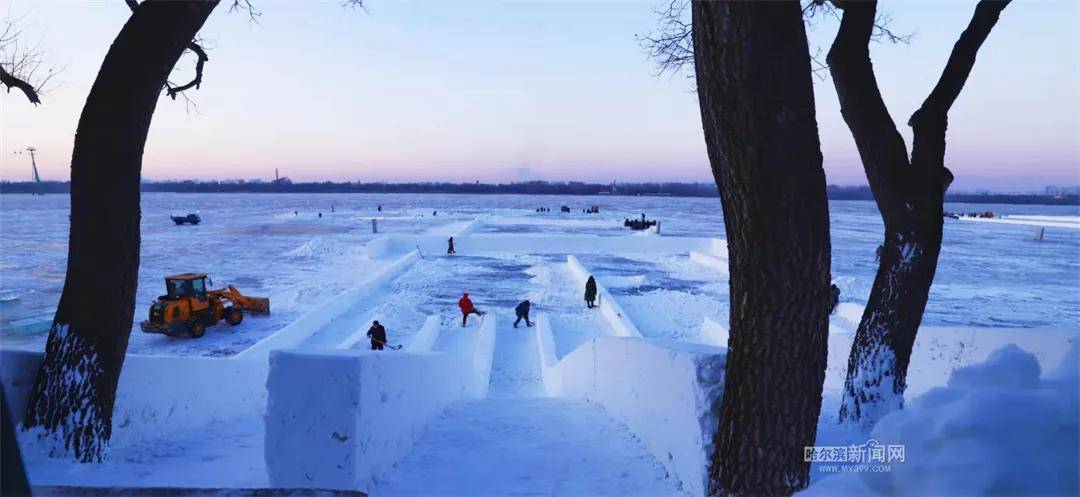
[757, 108]
[909, 195]
[73, 395]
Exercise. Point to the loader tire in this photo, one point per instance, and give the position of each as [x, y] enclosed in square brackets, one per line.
[197, 328]
[233, 315]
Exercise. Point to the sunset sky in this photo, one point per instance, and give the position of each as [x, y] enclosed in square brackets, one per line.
[509, 91]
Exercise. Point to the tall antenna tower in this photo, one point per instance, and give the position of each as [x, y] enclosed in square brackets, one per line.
[33, 164]
[39, 187]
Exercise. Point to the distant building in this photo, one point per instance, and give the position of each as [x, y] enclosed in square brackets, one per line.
[281, 180]
[1061, 191]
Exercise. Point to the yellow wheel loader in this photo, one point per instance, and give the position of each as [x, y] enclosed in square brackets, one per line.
[188, 307]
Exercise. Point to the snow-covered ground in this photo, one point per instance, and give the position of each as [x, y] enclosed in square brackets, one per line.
[995, 285]
[990, 275]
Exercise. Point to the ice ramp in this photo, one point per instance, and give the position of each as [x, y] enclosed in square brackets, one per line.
[335, 322]
[519, 440]
[609, 307]
[667, 393]
[531, 446]
[361, 411]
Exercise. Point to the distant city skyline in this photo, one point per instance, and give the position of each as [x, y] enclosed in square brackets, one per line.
[517, 91]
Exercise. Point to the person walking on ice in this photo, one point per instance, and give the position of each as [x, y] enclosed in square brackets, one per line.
[450, 246]
[590, 292]
[522, 311]
[467, 307]
[377, 334]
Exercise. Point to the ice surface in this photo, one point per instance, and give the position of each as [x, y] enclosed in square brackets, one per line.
[515, 369]
[991, 276]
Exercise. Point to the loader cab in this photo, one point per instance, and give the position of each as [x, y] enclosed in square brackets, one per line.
[186, 285]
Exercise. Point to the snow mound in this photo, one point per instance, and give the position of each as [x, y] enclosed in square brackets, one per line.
[1069, 369]
[322, 248]
[996, 429]
[1007, 367]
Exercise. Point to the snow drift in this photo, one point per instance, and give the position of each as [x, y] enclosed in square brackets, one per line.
[997, 428]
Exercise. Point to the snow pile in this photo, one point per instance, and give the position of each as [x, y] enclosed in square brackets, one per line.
[707, 260]
[323, 248]
[668, 393]
[846, 317]
[719, 247]
[996, 429]
[714, 333]
[939, 351]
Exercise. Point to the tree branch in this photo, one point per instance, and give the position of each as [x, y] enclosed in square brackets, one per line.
[962, 59]
[672, 46]
[930, 122]
[246, 6]
[19, 62]
[881, 148]
[194, 47]
[197, 80]
[13, 82]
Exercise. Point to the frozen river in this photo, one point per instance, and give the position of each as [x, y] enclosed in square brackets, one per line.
[990, 274]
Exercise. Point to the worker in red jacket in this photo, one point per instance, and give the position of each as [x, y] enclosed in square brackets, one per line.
[467, 308]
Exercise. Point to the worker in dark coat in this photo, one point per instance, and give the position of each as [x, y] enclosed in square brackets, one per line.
[590, 292]
[450, 247]
[377, 334]
[467, 307]
[522, 311]
[834, 298]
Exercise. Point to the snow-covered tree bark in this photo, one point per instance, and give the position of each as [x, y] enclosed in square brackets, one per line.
[909, 194]
[757, 109]
[75, 389]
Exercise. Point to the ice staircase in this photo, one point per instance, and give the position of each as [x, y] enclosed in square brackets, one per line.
[490, 409]
[518, 441]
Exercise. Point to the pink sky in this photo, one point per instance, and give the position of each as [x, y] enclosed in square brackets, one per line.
[495, 91]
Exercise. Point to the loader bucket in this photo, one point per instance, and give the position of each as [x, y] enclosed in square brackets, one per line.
[257, 305]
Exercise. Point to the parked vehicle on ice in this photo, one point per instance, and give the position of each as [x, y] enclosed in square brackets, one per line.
[188, 219]
[188, 307]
